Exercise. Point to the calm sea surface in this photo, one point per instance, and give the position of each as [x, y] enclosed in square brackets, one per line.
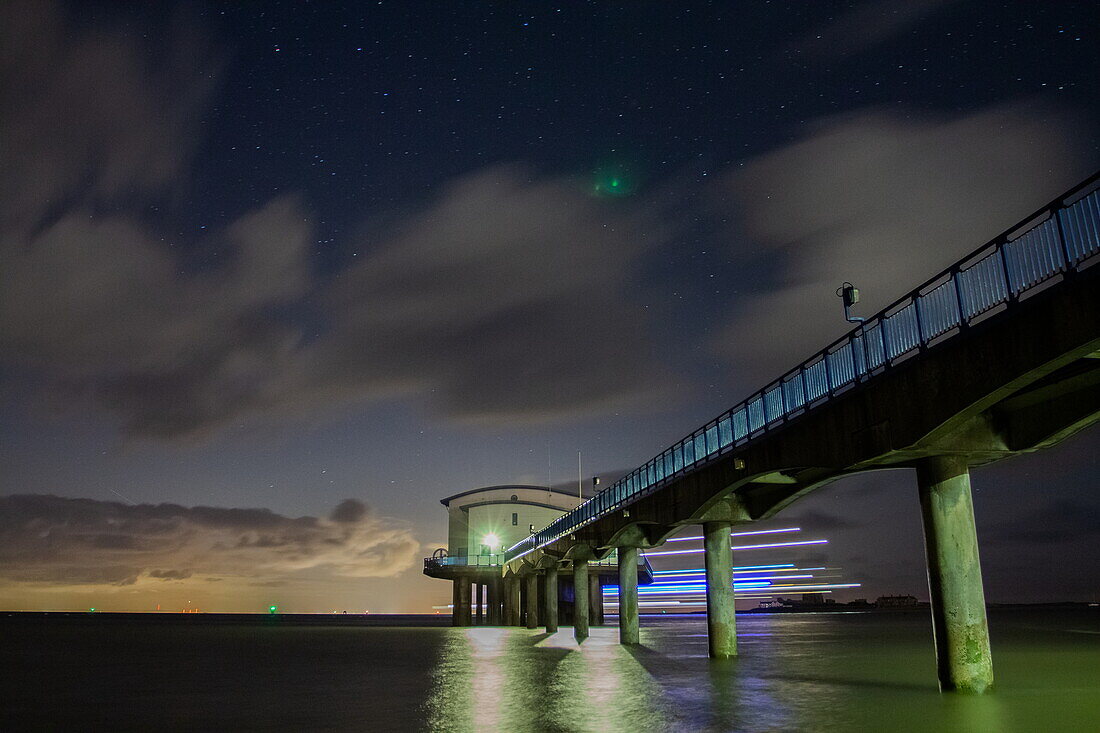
[807, 672]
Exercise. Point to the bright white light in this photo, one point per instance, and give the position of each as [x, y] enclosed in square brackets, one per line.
[491, 540]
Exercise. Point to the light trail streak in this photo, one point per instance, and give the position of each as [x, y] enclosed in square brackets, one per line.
[740, 534]
[741, 547]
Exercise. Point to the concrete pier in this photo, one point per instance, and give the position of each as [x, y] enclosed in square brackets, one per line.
[551, 599]
[959, 626]
[462, 607]
[507, 602]
[721, 618]
[628, 595]
[595, 600]
[456, 604]
[580, 599]
[514, 598]
[532, 601]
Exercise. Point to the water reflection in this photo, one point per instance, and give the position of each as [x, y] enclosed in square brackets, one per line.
[815, 673]
[507, 679]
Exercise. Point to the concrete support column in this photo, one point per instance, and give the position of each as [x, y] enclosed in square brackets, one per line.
[514, 600]
[490, 596]
[721, 618]
[456, 603]
[580, 599]
[463, 606]
[551, 599]
[959, 624]
[595, 599]
[628, 595]
[496, 609]
[532, 601]
[477, 603]
[506, 600]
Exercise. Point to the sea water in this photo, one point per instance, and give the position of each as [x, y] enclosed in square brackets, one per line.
[795, 672]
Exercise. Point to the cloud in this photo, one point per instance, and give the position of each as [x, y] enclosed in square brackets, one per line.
[55, 541]
[503, 299]
[884, 201]
[817, 521]
[1061, 520]
[866, 25]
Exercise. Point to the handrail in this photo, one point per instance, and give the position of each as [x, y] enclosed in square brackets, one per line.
[1059, 238]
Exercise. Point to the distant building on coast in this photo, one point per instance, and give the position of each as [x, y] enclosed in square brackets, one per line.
[896, 602]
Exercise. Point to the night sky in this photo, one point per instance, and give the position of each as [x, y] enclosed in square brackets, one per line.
[276, 277]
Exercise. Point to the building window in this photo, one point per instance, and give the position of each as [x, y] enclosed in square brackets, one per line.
[515, 498]
[515, 519]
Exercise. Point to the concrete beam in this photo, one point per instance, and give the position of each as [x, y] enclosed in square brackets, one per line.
[959, 625]
[721, 618]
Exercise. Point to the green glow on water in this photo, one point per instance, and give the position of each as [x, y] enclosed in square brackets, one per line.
[273, 609]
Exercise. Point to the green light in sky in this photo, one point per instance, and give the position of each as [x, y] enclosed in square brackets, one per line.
[614, 179]
[272, 609]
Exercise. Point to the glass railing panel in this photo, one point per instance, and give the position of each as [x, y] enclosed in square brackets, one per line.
[1081, 226]
[712, 439]
[725, 431]
[901, 331]
[1033, 256]
[773, 404]
[939, 310]
[875, 348]
[842, 366]
[983, 285]
[817, 382]
[740, 424]
[793, 394]
[756, 414]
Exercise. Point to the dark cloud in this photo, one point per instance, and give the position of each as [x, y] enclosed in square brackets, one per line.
[172, 574]
[64, 542]
[884, 201]
[1061, 520]
[503, 299]
[866, 25]
[813, 520]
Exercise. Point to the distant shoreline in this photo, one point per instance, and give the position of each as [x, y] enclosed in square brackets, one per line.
[444, 619]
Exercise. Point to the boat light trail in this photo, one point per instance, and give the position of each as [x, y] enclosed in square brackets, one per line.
[739, 534]
[741, 547]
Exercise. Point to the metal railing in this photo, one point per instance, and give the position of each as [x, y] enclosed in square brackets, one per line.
[465, 560]
[1058, 239]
